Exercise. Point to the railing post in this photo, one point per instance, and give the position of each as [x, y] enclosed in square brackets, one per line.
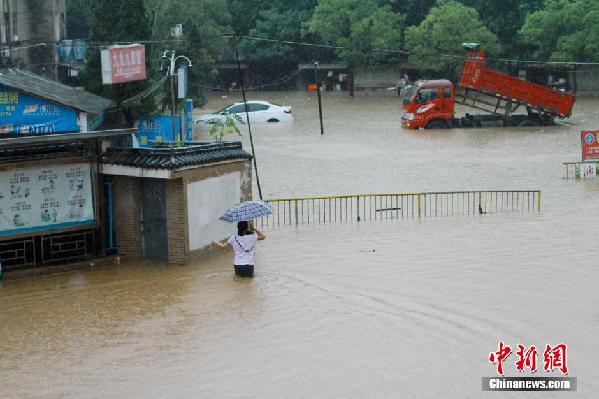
[539, 202]
[295, 204]
[358, 209]
[419, 215]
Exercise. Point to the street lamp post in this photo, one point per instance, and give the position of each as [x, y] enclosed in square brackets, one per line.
[171, 72]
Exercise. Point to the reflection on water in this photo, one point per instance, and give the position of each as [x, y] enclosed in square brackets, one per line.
[381, 309]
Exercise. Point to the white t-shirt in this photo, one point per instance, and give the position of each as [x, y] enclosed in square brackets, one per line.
[243, 246]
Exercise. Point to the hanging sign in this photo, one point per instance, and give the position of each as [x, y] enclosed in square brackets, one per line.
[121, 64]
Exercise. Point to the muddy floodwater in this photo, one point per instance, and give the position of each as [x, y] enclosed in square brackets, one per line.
[383, 309]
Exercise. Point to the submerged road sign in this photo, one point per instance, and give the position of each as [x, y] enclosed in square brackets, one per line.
[590, 145]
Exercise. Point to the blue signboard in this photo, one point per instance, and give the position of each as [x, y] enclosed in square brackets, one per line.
[157, 128]
[188, 120]
[24, 114]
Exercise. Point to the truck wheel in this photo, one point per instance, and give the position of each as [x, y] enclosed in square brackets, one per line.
[437, 124]
[528, 123]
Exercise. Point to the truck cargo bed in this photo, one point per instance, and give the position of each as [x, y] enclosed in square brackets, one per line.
[478, 77]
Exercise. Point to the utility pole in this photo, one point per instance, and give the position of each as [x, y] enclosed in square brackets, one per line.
[247, 116]
[172, 74]
[319, 96]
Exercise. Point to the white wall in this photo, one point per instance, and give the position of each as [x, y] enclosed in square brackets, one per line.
[207, 200]
[379, 75]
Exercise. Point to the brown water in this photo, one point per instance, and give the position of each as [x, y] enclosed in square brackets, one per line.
[377, 309]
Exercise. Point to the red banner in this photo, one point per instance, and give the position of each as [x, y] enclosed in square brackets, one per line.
[590, 145]
[122, 64]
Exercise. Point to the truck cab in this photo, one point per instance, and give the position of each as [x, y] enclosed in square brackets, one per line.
[428, 104]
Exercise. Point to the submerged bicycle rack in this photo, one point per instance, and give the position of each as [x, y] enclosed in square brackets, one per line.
[365, 207]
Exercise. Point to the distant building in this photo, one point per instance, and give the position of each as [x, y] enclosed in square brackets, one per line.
[26, 23]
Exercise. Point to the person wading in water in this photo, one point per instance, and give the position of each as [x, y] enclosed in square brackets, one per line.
[243, 245]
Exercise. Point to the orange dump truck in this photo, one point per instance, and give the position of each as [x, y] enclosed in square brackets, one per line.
[430, 104]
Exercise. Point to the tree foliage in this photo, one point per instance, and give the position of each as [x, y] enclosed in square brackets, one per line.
[564, 30]
[429, 29]
[362, 25]
[245, 14]
[80, 18]
[435, 40]
[117, 21]
[504, 18]
[414, 10]
[204, 22]
[282, 21]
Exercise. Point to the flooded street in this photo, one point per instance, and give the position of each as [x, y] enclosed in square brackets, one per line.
[406, 309]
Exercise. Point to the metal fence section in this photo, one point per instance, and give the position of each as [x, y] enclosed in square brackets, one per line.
[581, 169]
[49, 249]
[367, 207]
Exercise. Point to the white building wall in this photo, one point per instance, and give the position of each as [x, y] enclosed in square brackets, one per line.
[207, 200]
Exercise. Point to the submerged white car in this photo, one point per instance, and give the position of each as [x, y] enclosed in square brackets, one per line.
[258, 111]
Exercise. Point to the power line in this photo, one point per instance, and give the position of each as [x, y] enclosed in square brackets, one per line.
[408, 52]
[138, 97]
[261, 86]
[96, 44]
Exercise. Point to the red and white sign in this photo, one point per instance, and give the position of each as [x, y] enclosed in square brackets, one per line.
[590, 145]
[122, 64]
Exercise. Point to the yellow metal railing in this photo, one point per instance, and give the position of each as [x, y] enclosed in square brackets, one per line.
[365, 207]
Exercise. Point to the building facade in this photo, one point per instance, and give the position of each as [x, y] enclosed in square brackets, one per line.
[24, 26]
[167, 201]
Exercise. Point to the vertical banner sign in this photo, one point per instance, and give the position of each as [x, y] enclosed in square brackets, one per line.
[121, 64]
[188, 120]
[41, 198]
[590, 145]
[182, 82]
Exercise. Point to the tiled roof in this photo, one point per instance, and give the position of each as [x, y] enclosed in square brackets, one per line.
[175, 157]
[45, 151]
[52, 90]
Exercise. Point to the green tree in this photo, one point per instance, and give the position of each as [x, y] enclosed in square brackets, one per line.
[281, 21]
[204, 23]
[245, 14]
[362, 25]
[117, 21]
[436, 40]
[414, 10]
[79, 18]
[505, 18]
[564, 30]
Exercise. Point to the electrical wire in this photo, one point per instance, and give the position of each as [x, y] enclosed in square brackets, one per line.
[92, 44]
[284, 79]
[138, 97]
[407, 52]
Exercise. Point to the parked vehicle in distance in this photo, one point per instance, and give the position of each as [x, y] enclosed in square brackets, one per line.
[258, 111]
[430, 104]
